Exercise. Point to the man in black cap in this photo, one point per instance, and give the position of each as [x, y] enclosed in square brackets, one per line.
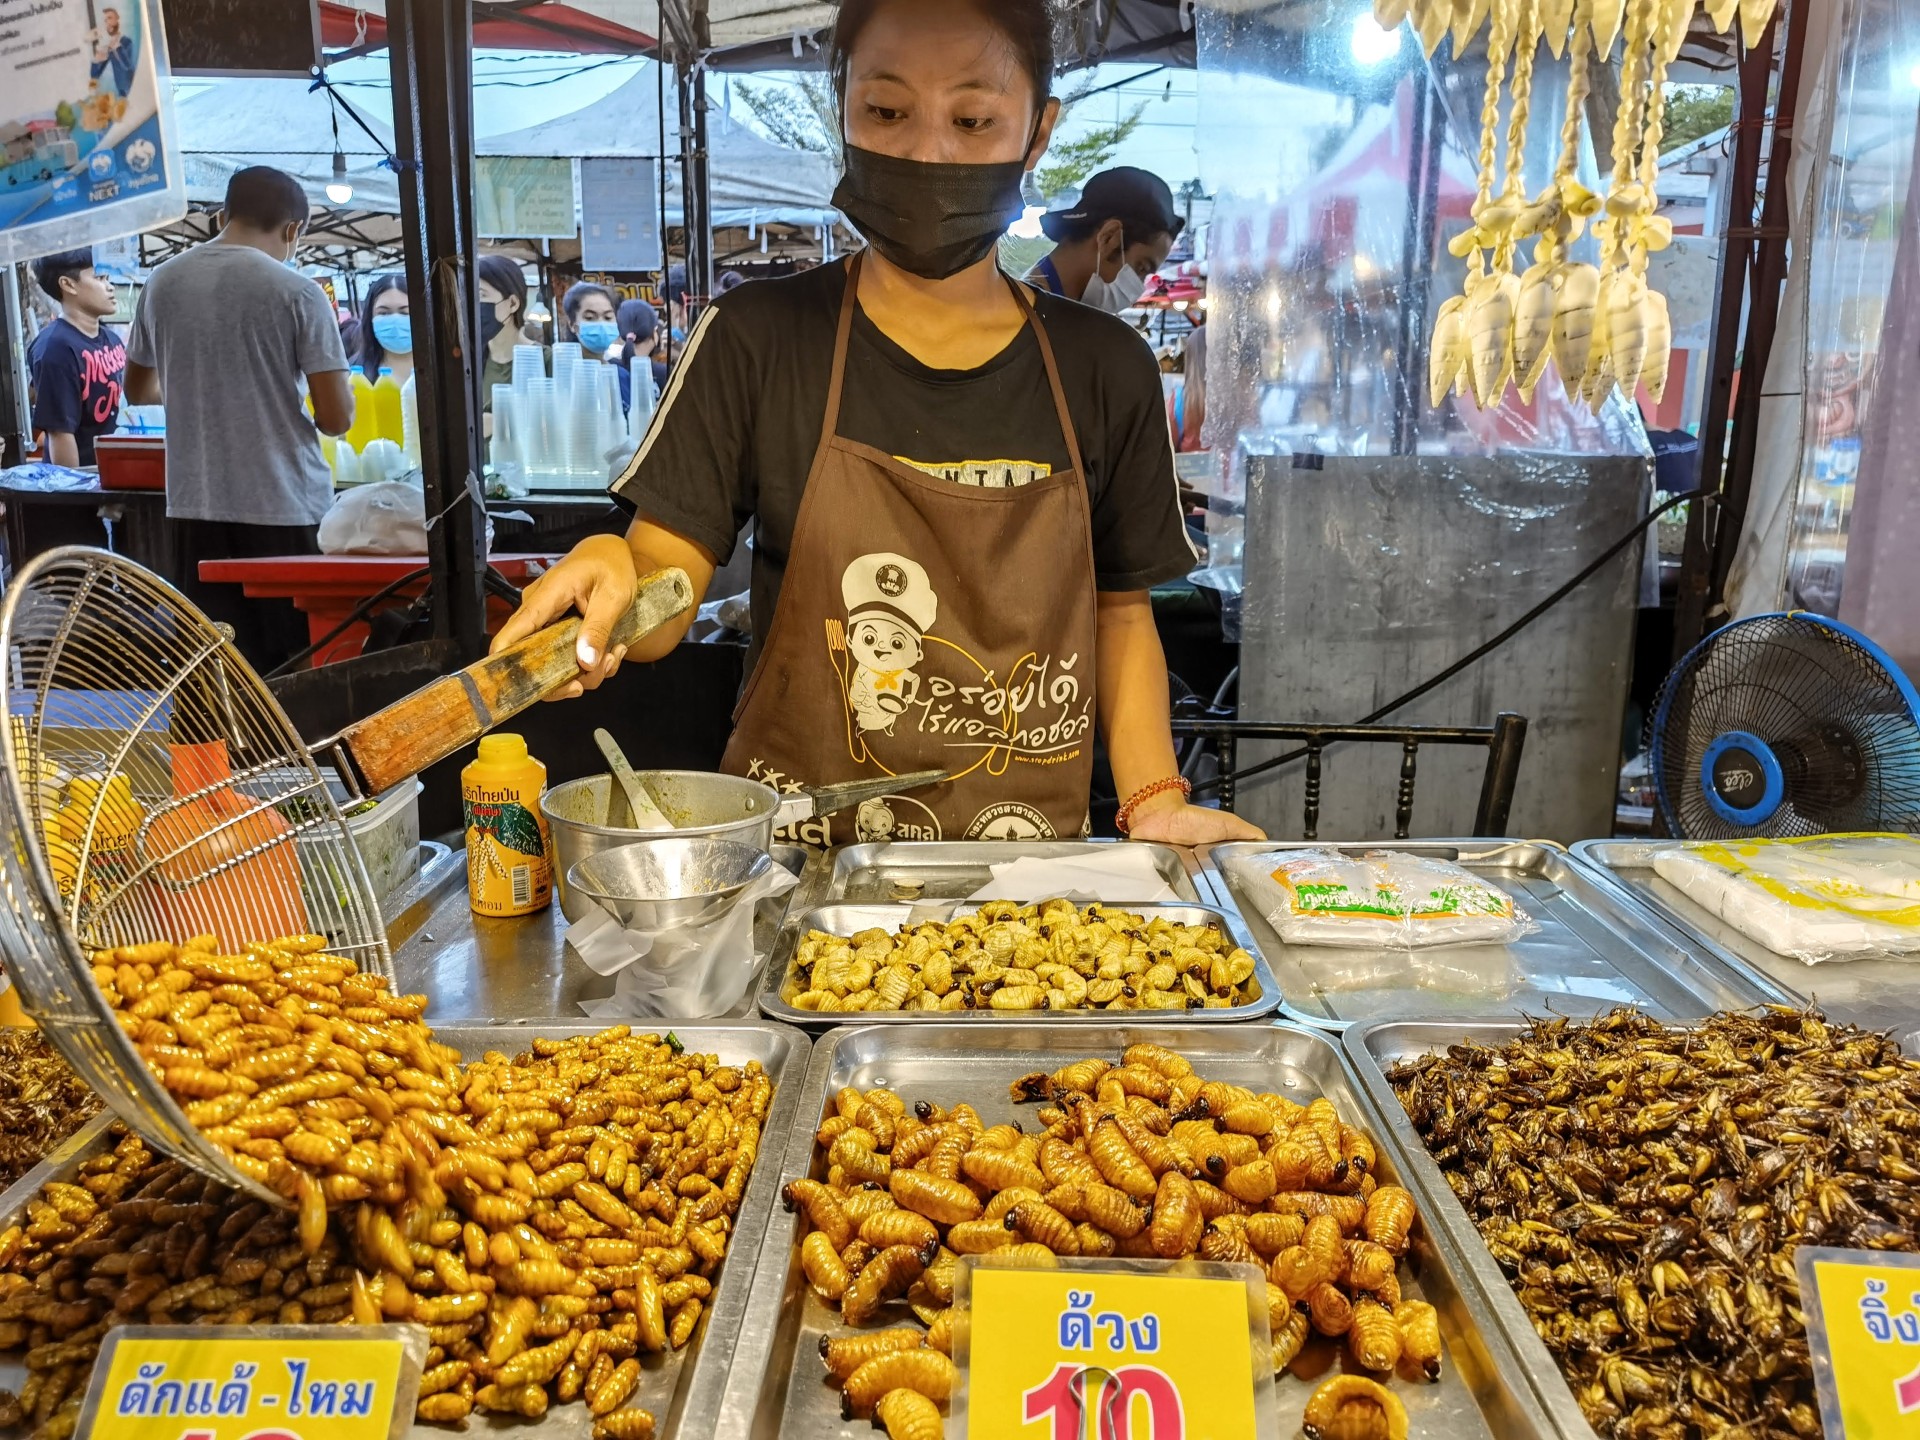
[1109, 241]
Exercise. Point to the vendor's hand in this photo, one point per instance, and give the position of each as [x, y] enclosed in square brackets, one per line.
[597, 581]
[1169, 820]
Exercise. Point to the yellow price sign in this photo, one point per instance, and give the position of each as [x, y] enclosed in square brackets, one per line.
[1863, 1326]
[282, 1382]
[1114, 1350]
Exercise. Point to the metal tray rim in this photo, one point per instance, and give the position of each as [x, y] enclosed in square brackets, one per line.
[773, 1261]
[13, 1200]
[1588, 853]
[1445, 1212]
[846, 858]
[773, 982]
[701, 1390]
[1735, 976]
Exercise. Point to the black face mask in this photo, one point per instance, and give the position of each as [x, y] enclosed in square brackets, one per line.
[490, 323]
[931, 220]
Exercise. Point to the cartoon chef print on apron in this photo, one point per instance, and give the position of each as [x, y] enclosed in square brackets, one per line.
[929, 624]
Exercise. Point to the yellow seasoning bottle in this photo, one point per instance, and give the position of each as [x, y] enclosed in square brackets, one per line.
[509, 855]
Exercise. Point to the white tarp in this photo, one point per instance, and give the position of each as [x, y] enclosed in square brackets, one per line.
[752, 180]
[232, 124]
[1757, 581]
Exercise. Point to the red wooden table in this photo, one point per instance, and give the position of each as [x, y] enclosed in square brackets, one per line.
[328, 587]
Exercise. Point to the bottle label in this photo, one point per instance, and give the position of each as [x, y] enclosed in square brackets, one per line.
[509, 864]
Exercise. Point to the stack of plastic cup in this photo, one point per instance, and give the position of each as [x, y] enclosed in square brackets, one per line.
[585, 466]
[508, 454]
[529, 363]
[566, 359]
[640, 408]
[613, 420]
[539, 435]
[410, 421]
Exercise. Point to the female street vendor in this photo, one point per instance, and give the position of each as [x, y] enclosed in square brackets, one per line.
[963, 489]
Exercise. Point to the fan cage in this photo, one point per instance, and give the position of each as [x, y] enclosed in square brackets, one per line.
[110, 673]
[1834, 709]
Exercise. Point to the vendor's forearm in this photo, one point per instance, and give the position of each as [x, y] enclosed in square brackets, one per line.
[656, 548]
[1135, 704]
[63, 449]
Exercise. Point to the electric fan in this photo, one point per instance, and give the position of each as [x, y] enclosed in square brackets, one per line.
[1786, 725]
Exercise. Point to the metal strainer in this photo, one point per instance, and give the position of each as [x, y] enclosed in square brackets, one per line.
[152, 790]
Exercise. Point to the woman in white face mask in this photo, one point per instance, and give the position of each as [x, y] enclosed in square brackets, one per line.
[1109, 242]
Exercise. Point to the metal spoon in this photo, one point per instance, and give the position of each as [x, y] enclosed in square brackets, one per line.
[629, 806]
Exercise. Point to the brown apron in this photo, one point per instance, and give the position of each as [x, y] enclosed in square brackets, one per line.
[930, 625]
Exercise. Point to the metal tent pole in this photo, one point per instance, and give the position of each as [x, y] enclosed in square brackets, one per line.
[431, 49]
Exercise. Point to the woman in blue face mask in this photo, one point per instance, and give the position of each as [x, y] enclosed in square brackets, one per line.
[386, 330]
[595, 317]
[963, 487]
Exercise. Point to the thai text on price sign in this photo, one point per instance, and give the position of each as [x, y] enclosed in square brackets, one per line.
[1115, 1350]
[284, 1382]
[1863, 1324]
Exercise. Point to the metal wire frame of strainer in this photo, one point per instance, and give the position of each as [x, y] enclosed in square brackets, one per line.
[107, 669]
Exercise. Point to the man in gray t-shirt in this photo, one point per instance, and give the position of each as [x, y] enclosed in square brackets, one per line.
[233, 342]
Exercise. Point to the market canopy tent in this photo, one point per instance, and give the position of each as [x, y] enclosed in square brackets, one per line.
[232, 124]
[752, 180]
[752, 34]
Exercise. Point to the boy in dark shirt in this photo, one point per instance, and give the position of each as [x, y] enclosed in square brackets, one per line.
[78, 363]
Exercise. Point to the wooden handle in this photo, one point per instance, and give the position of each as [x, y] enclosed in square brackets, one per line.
[441, 718]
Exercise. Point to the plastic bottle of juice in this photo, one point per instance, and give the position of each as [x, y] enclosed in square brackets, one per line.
[366, 419]
[509, 854]
[111, 862]
[388, 422]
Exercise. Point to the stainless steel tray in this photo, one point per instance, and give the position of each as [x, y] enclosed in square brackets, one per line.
[778, 1386]
[1874, 994]
[1373, 1049]
[906, 870]
[685, 1389]
[1594, 947]
[851, 919]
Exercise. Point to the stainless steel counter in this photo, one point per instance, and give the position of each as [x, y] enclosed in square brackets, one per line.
[475, 970]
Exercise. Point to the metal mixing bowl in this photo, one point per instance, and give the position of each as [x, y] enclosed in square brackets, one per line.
[653, 884]
[720, 807]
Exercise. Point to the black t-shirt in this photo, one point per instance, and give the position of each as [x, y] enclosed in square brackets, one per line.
[740, 420]
[76, 382]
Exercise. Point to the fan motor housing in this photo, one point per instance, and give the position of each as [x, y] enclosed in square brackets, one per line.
[1742, 778]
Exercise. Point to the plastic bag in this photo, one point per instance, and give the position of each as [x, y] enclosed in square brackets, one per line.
[1825, 897]
[691, 972]
[388, 517]
[1381, 899]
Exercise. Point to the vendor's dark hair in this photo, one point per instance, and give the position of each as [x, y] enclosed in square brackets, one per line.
[265, 198]
[50, 270]
[507, 279]
[372, 353]
[577, 294]
[1027, 24]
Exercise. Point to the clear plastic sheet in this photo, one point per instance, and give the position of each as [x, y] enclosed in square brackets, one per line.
[1340, 169]
[1819, 899]
[1379, 900]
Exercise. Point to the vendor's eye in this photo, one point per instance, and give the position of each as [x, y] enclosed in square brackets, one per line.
[885, 114]
[972, 122]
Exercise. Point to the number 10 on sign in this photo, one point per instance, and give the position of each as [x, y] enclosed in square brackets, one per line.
[1105, 1350]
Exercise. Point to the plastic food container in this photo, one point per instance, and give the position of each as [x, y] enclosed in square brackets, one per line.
[131, 462]
[387, 833]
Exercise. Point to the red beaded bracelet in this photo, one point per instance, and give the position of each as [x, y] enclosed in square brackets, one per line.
[1124, 820]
